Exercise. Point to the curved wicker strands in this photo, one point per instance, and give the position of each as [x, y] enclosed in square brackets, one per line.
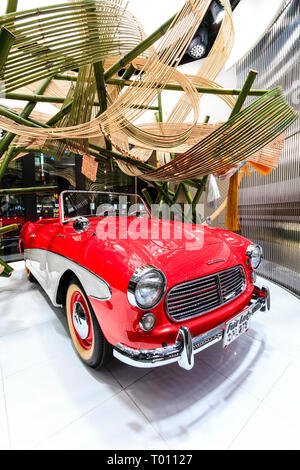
[264, 160]
[156, 73]
[267, 157]
[82, 98]
[53, 39]
[249, 133]
[60, 88]
[236, 140]
[230, 144]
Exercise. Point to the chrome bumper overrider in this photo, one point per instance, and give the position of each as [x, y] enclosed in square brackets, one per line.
[186, 346]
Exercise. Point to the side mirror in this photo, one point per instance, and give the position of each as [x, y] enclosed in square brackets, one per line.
[81, 224]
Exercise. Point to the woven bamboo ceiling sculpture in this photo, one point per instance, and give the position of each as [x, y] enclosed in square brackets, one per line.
[74, 52]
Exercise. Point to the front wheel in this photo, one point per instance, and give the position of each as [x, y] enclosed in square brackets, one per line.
[86, 334]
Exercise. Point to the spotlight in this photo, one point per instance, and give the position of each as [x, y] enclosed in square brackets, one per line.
[198, 45]
[196, 49]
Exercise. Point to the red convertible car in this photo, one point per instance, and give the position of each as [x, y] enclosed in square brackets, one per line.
[147, 290]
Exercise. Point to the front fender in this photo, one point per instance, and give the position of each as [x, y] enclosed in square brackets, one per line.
[49, 269]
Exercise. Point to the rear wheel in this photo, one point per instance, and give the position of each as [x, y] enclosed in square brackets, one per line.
[29, 276]
[88, 339]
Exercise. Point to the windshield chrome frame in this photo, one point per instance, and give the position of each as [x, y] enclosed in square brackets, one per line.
[62, 219]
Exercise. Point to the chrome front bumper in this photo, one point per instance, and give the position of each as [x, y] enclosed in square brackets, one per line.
[186, 346]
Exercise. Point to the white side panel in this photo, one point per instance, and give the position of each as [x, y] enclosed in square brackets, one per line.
[48, 268]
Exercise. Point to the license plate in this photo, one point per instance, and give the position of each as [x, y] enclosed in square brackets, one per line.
[236, 327]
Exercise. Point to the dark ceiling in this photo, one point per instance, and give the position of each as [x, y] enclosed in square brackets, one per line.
[206, 35]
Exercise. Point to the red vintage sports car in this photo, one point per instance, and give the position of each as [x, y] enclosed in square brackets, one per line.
[147, 290]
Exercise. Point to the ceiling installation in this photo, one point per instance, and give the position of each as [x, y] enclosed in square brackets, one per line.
[58, 39]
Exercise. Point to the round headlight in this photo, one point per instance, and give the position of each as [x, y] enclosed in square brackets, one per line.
[255, 254]
[146, 287]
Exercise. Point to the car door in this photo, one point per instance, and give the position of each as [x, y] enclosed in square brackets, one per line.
[39, 240]
[65, 250]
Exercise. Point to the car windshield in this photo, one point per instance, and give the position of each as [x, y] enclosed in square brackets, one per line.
[100, 204]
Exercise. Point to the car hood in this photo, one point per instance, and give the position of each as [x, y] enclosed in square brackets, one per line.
[203, 251]
[210, 251]
[182, 237]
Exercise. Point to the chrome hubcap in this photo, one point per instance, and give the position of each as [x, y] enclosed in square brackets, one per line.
[80, 321]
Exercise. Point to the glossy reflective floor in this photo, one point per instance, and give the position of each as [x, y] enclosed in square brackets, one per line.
[244, 397]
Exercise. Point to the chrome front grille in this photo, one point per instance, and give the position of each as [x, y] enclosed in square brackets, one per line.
[199, 296]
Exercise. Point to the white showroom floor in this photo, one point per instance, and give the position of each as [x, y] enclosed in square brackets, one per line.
[244, 397]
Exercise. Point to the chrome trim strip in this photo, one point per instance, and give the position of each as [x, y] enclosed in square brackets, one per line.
[186, 359]
[185, 347]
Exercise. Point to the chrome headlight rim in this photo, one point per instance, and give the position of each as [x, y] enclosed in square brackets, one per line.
[249, 252]
[137, 276]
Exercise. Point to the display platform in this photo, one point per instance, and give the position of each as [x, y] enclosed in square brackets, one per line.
[245, 397]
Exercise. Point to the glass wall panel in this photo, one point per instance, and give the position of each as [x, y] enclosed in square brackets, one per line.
[12, 211]
[270, 206]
